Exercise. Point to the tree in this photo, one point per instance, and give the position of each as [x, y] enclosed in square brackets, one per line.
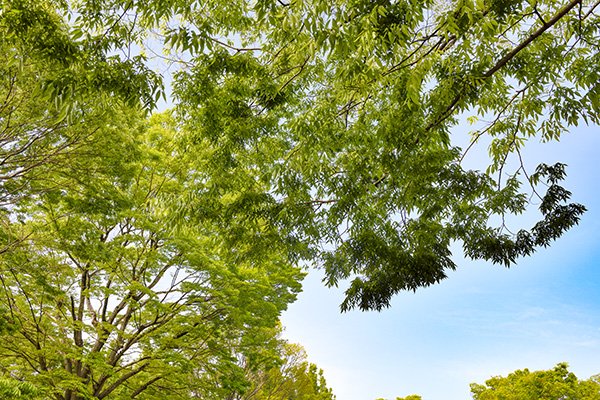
[123, 290]
[288, 377]
[128, 267]
[347, 111]
[554, 384]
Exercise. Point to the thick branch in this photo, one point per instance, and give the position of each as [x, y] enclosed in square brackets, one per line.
[504, 60]
[121, 380]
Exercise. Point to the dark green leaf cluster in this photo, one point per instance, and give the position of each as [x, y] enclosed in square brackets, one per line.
[74, 67]
[558, 218]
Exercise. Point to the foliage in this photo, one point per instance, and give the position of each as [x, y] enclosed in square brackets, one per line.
[56, 93]
[130, 265]
[143, 255]
[71, 65]
[347, 111]
[11, 389]
[554, 384]
[345, 114]
[119, 291]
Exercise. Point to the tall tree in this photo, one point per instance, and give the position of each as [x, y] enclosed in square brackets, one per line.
[554, 384]
[122, 289]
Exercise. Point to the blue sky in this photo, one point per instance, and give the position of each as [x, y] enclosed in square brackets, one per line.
[484, 320]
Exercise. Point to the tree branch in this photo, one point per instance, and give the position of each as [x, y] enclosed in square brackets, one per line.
[545, 26]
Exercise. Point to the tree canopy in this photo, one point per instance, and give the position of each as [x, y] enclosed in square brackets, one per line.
[291, 377]
[130, 267]
[345, 115]
[341, 115]
[115, 289]
[555, 384]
